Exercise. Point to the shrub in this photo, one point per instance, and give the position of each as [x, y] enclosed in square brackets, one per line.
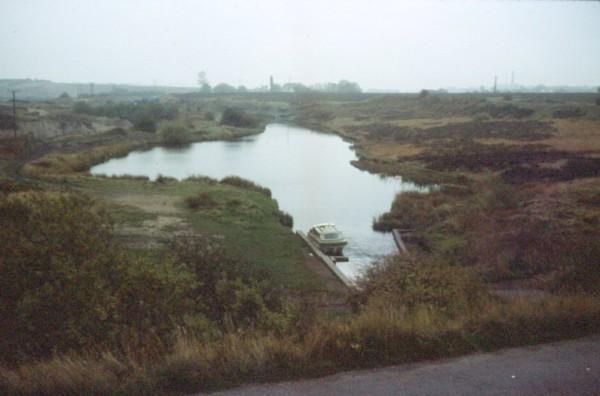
[161, 179]
[571, 112]
[135, 112]
[146, 125]
[174, 134]
[238, 118]
[286, 219]
[202, 179]
[246, 184]
[203, 200]
[226, 294]
[414, 281]
[66, 285]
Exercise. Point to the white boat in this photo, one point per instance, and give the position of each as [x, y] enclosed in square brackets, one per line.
[328, 239]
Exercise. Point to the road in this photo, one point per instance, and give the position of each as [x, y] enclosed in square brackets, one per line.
[564, 368]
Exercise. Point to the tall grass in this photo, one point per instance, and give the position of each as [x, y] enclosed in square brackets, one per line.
[59, 165]
[246, 184]
[378, 335]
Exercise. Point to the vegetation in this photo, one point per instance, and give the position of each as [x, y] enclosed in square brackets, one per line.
[68, 285]
[59, 165]
[246, 184]
[174, 134]
[144, 114]
[123, 285]
[383, 331]
[238, 118]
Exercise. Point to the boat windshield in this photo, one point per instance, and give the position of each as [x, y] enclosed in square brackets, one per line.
[332, 235]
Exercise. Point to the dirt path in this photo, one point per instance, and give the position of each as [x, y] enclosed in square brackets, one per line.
[564, 368]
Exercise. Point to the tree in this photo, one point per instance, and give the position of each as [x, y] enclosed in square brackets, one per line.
[345, 86]
[206, 88]
[224, 88]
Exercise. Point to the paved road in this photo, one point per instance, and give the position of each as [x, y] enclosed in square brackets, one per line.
[565, 368]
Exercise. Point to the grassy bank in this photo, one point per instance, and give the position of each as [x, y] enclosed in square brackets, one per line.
[247, 221]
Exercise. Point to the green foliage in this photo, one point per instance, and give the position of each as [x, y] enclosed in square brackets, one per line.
[286, 219]
[223, 88]
[246, 184]
[66, 285]
[412, 282]
[174, 134]
[205, 88]
[146, 125]
[203, 200]
[226, 294]
[82, 107]
[143, 114]
[209, 116]
[238, 118]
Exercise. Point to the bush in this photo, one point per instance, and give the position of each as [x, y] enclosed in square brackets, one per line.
[411, 282]
[238, 118]
[286, 219]
[246, 184]
[146, 125]
[226, 294]
[571, 112]
[174, 134]
[66, 285]
[138, 112]
[203, 200]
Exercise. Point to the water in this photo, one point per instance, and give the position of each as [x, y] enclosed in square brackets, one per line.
[308, 172]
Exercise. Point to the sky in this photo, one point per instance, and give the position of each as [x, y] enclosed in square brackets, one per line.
[380, 44]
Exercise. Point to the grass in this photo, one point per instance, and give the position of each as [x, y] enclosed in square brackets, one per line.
[59, 165]
[250, 223]
[375, 337]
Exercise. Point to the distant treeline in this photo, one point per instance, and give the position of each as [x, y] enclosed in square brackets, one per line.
[343, 86]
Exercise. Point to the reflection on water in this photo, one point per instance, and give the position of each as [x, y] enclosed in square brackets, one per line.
[309, 174]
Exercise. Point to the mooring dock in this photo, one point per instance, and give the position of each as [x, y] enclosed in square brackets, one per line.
[326, 260]
[398, 240]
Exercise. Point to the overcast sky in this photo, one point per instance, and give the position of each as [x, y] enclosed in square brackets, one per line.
[379, 44]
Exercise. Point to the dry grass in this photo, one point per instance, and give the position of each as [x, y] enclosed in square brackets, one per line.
[58, 165]
[575, 136]
[379, 335]
[494, 141]
[392, 151]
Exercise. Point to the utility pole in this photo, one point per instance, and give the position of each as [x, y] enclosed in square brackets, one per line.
[495, 83]
[14, 100]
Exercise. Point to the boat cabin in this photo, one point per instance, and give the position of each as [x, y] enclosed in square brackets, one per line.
[328, 238]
